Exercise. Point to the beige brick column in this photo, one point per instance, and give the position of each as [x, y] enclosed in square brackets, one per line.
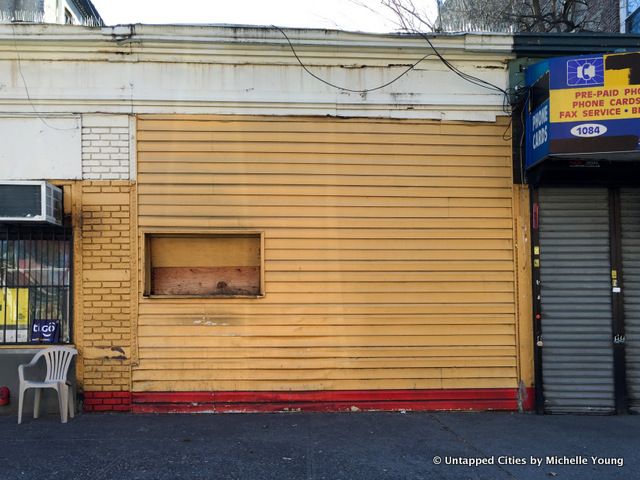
[105, 329]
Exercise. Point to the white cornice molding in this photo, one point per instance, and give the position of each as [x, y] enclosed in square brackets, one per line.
[175, 42]
[251, 70]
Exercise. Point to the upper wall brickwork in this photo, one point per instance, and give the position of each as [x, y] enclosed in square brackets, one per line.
[106, 147]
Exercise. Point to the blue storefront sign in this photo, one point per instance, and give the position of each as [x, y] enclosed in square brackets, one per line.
[45, 331]
[537, 121]
[586, 106]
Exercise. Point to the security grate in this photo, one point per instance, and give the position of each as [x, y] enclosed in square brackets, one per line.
[577, 356]
[630, 219]
[35, 284]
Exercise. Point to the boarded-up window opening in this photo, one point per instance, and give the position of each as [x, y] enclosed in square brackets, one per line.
[204, 265]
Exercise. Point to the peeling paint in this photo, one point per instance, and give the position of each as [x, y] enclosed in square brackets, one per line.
[119, 357]
[198, 59]
[490, 67]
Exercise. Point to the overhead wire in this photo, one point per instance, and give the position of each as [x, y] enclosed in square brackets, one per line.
[26, 87]
[525, 100]
[508, 101]
[465, 76]
[346, 89]
[513, 97]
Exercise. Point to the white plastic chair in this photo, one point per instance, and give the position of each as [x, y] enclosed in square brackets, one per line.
[58, 361]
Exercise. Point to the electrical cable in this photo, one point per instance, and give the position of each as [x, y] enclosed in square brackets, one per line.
[510, 105]
[526, 100]
[26, 88]
[507, 96]
[366, 90]
[465, 76]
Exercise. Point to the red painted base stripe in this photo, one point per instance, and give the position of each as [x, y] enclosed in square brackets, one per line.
[330, 401]
[502, 405]
[107, 401]
[325, 396]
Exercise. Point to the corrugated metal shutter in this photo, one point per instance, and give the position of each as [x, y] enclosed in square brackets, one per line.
[630, 219]
[577, 359]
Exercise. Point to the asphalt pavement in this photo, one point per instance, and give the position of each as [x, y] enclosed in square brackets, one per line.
[310, 446]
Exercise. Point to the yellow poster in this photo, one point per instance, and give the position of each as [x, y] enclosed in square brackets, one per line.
[593, 104]
[14, 306]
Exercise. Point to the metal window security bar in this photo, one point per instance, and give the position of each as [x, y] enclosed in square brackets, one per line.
[35, 284]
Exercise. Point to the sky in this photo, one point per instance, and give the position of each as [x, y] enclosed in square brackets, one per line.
[332, 14]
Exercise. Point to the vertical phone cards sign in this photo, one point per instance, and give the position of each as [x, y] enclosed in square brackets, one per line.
[537, 122]
[587, 106]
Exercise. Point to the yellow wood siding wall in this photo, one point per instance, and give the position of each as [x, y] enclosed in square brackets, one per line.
[389, 253]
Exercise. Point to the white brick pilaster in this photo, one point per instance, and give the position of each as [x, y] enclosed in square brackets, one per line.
[106, 147]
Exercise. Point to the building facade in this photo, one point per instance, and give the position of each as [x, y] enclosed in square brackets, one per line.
[67, 12]
[247, 237]
[584, 189]
[629, 10]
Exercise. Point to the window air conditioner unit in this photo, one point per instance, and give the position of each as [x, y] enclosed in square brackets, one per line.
[30, 202]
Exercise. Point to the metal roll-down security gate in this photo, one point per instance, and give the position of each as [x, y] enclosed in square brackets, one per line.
[587, 298]
[583, 163]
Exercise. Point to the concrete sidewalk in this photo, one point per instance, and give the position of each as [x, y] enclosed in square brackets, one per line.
[349, 446]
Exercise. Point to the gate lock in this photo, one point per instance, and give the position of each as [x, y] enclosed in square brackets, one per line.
[619, 339]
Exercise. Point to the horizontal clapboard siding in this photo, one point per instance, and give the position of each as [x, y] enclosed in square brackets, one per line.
[389, 257]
